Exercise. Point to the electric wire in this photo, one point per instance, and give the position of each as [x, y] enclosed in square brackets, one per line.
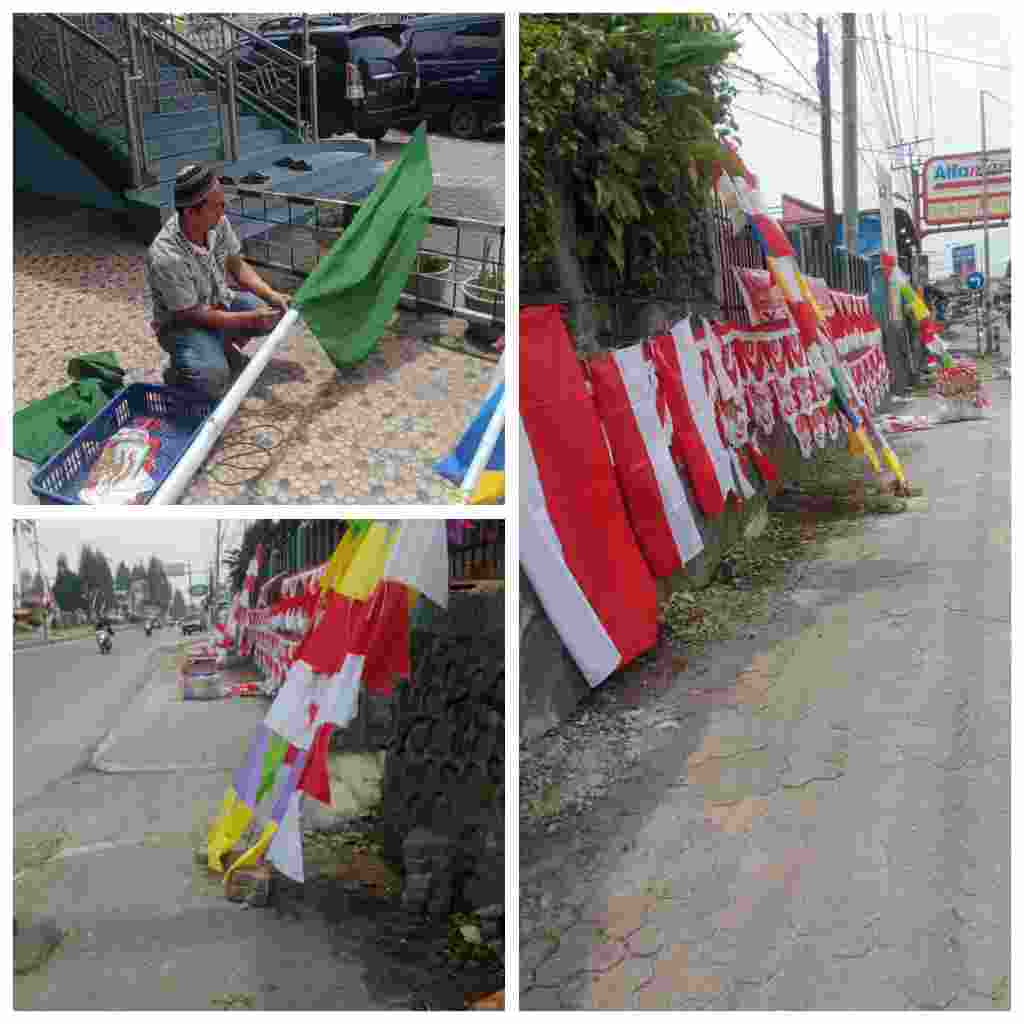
[910, 91]
[779, 51]
[931, 78]
[892, 78]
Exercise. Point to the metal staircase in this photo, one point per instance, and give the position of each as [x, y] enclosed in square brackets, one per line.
[216, 92]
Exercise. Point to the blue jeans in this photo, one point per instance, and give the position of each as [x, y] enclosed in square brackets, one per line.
[199, 356]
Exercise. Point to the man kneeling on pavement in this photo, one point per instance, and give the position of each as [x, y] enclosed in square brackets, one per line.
[199, 320]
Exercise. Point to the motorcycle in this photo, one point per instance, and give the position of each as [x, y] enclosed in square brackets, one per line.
[149, 629]
[105, 640]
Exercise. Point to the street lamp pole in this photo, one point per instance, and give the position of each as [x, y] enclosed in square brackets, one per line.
[986, 312]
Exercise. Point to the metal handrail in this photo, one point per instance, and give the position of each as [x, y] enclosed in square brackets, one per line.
[272, 84]
[101, 84]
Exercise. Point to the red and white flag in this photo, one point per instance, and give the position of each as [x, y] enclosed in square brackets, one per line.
[626, 392]
[576, 544]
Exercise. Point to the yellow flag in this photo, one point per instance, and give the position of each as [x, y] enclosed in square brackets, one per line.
[340, 561]
[232, 821]
[254, 853]
[490, 489]
[367, 567]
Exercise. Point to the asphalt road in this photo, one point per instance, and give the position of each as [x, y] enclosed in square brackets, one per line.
[66, 697]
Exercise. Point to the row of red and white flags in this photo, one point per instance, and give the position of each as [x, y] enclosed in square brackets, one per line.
[612, 450]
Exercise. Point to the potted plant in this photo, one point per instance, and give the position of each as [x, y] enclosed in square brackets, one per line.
[485, 293]
[430, 279]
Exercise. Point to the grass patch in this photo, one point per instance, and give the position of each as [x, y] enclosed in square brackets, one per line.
[233, 1001]
[548, 804]
[34, 849]
[827, 500]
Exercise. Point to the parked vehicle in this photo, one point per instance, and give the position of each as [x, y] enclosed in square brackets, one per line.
[294, 22]
[191, 624]
[461, 58]
[367, 77]
[104, 639]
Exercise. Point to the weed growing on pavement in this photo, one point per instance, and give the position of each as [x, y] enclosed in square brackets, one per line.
[233, 1001]
[548, 804]
[34, 849]
[465, 943]
[827, 500]
[1001, 994]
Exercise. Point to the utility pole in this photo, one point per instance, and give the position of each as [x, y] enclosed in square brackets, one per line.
[216, 564]
[39, 569]
[825, 93]
[851, 211]
[986, 310]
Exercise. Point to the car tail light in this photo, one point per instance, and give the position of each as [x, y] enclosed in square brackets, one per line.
[353, 83]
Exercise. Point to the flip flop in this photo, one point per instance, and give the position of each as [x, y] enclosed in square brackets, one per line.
[285, 161]
[300, 165]
[226, 179]
[255, 178]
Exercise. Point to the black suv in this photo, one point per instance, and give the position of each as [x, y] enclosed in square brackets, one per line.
[367, 77]
[461, 58]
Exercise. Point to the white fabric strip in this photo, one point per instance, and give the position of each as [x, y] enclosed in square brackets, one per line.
[543, 560]
[641, 387]
[700, 405]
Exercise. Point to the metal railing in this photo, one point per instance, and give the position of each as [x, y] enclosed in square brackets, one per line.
[481, 553]
[92, 81]
[301, 229]
[267, 76]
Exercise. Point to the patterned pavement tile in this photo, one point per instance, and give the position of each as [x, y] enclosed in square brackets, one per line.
[306, 434]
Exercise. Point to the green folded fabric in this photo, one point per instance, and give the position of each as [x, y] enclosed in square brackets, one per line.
[44, 427]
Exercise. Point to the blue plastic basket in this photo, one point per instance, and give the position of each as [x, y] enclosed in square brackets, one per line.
[64, 475]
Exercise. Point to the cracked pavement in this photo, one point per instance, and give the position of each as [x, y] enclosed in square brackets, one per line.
[825, 825]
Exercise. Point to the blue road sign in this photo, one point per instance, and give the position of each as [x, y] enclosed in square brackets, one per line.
[976, 280]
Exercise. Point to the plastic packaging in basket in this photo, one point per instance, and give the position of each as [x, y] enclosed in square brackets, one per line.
[126, 451]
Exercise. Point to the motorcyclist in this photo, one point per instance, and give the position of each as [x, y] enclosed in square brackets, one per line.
[149, 627]
[104, 630]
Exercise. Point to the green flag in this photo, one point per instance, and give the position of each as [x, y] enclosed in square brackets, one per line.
[350, 296]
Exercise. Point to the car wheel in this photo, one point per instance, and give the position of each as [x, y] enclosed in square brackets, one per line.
[464, 122]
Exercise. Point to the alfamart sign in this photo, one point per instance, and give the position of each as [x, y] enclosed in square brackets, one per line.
[954, 187]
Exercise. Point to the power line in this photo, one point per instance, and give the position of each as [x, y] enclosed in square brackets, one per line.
[892, 79]
[804, 131]
[781, 54]
[951, 56]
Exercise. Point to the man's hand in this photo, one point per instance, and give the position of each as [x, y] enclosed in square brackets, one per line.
[282, 300]
[265, 320]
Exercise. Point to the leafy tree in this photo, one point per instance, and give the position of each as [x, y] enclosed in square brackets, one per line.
[123, 576]
[620, 118]
[259, 531]
[159, 585]
[67, 587]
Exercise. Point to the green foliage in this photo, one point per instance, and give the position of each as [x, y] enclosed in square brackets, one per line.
[623, 112]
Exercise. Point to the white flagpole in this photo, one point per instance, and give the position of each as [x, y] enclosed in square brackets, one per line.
[179, 478]
[483, 453]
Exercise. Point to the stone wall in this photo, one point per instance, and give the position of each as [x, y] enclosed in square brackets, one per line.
[444, 785]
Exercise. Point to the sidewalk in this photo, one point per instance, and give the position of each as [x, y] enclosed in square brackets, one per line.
[815, 814]
[148, 928]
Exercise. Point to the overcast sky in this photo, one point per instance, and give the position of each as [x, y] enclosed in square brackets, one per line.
[132, 540]
[787, 160]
